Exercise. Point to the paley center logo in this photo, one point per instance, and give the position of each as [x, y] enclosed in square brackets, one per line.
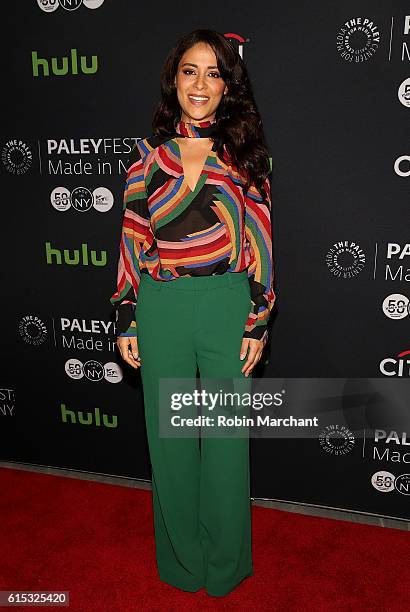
[33, 330]
[49, 6]
[16, 156]
[358, 39]
[82, 199]
[345, 259]
[336, 439]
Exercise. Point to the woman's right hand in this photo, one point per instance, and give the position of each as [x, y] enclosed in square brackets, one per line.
[128, 347]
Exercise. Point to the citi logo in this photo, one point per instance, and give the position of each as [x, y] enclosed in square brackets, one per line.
[75, 257]
[63, 65]
[396, 366]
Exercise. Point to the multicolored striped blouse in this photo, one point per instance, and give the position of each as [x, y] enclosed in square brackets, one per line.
[169, 231]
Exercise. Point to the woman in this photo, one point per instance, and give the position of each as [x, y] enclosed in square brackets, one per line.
[196, 249]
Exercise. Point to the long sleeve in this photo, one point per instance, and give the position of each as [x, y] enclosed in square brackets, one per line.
[135, 227]
[258, 234]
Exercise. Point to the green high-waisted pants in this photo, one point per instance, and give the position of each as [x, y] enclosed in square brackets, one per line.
[200, 490]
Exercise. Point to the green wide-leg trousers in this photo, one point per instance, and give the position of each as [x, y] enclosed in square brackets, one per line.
[200, 487]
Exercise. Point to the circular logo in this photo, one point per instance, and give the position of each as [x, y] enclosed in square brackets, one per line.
[93, 4]
[60, 199]
[74, 368]
[103, 199]
[396, 306]
[404, 92]
[70, 5]
[93, 370]
[401, 165]
[81, 199]
[383, 481]
[336, 439]
[345, 259]
[402, 484]
[112, 372]
[358, 39]
[48, 6]
[16, 156]
[33, 330]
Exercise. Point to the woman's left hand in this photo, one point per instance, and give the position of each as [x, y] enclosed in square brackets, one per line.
[255, 351]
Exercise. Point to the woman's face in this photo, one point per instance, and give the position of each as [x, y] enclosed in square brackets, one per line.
[198, 77]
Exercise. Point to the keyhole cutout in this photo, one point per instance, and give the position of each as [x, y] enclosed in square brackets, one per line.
[193, 157]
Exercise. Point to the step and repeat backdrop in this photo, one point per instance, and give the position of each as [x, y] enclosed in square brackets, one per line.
[332, 82]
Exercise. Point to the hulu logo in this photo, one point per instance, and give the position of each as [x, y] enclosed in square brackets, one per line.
[75, 257]
[88, 418]
[64, 65]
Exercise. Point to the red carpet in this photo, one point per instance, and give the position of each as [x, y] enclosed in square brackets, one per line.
[96, 541]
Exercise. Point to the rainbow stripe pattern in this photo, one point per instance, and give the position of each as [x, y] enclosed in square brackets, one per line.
[170, 230]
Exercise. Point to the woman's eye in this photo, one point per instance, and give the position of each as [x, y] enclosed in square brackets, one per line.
[190, 71]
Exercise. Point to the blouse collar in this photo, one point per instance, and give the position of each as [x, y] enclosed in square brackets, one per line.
[202, 129]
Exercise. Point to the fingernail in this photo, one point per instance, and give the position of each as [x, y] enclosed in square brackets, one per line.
[242, 355]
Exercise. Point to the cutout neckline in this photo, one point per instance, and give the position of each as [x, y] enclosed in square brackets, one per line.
[184, 181]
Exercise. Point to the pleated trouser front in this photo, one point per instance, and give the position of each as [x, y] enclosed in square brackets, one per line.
[201, 492]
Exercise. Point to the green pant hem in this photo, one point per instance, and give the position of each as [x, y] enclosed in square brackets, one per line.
[226, 591]
[178, 585]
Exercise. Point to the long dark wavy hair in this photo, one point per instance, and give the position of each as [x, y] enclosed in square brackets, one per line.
[238, 123]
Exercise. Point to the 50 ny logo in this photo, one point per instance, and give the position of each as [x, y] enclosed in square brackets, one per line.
[49, 6]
